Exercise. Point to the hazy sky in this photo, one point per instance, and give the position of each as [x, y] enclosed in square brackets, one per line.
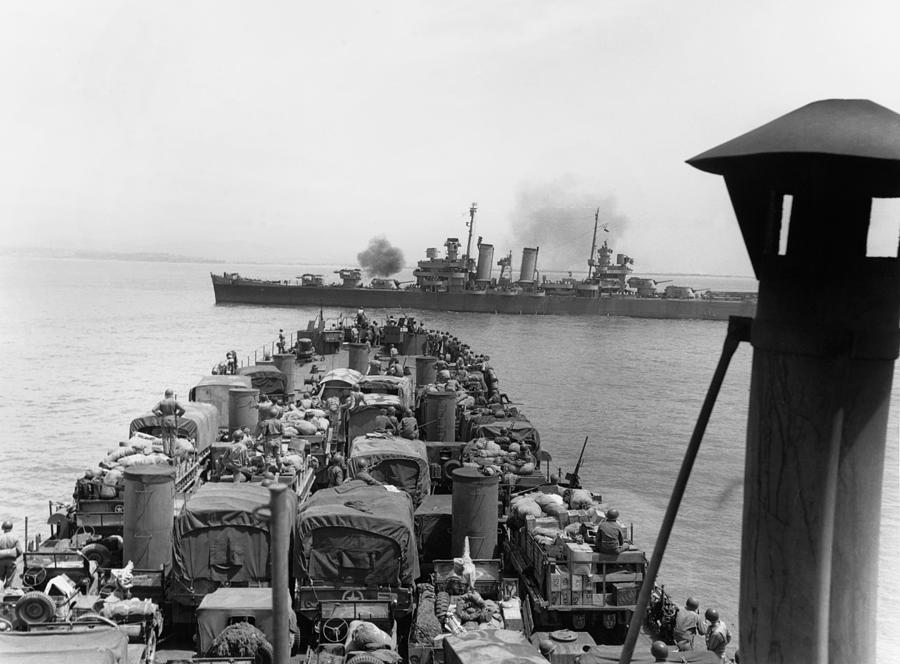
[299, 130]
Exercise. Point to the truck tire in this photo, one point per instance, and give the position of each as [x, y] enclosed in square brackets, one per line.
[364, 659]
[35, 607]
[98, 553]
[265, 654]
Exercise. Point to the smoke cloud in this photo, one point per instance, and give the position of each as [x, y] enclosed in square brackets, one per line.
[381, 258]
[558, 217]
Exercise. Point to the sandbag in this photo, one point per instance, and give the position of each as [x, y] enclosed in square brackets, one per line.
[290, 431]
[306, 428]
[528, 508]
[364, 635]
[315, 412]
[183, 446]
[580, 499]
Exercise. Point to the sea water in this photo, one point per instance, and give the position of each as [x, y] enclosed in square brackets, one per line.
[89, 345]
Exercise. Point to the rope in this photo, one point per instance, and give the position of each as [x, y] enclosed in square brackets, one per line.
[738, 330]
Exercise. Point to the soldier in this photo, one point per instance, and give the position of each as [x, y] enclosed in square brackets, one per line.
[169, 410]
[688, 624]
[718, 635]
[10, 550]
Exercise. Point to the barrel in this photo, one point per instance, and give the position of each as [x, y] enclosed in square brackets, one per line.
[425, 372]
[474, 513]
[149, 516]
[243, 407]
[285, 363]
[359, 357]
[439, 414]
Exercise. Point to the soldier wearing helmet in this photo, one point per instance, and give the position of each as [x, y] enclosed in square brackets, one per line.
[10, 550]
[688, 624]
[336, 470]
[718, 635]
[611, 535]
[660, 651]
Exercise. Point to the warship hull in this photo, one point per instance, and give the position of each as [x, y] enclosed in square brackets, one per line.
[250, 291]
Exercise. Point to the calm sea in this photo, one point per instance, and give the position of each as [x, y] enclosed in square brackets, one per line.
[89, 345]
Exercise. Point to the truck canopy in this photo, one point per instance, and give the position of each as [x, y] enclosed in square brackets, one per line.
[397, 461]
[361, 420]
[223, 380]
[200, 422]
[219, 537]
[337, 380]
[399, 386]
[91, 645]
[217, 610]
[356, 534]
[267, 378]
[491, 646]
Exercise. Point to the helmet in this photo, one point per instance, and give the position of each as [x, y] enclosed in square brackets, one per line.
[546, 646]
[612, 514]
[659, 650]
[712, 615]
[7, 525]
[692, 604]
[169, 392]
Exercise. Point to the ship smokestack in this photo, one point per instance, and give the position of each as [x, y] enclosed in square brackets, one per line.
[529, 265]
[485, 264]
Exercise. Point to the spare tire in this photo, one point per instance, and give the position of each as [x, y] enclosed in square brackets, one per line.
[265, 654]
[35, 607]
[98, 553]
[364, 659]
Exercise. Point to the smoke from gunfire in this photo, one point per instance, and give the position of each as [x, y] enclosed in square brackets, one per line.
[381, 258]
[558, 217]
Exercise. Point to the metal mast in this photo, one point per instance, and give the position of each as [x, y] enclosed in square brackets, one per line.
[471, 225]
[591, 260]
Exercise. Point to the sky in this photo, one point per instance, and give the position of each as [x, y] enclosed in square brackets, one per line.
[298, 131]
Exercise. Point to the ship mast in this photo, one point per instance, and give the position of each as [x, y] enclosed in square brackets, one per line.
[471, 225]
[593, 246]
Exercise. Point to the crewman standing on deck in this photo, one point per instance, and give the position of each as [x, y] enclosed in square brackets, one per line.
[281, 341]
[169, 410]
[10, 550]
[718, 635]
[688, 624]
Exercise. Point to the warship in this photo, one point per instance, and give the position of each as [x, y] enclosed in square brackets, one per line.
[461, 282]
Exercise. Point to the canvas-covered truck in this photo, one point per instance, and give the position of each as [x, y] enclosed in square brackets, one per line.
[221, 538]
[355, 542]
[95, 519]
[569, 584]
[396, 461]
[234, 616]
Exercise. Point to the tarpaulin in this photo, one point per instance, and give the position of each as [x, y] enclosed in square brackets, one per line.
[397, 461]
[434, 520]
[218, 538]
[267, 378]
[199, 422]
[88, 645]
[361, 420]
[400, 386]
[223, 380]
[491, 646]
[357, 534]
[218, 608]
[516, 427]
[336, 381]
